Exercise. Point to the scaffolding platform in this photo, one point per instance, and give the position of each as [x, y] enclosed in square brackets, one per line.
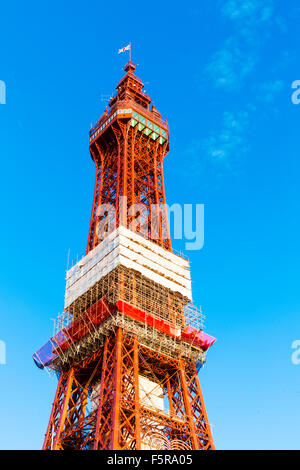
[131, 282]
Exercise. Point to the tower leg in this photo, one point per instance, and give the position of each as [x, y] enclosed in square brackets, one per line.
[69, 427]
[118, 419]
[195, 397]
[187, 406]
[115, 439]
[103, 429]
[59, 409]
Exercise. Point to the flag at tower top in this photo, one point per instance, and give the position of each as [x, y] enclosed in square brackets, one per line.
[126, 48]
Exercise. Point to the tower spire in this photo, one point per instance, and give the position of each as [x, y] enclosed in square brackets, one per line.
[129, 67]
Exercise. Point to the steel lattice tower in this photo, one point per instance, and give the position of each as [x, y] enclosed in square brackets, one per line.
[129, 343]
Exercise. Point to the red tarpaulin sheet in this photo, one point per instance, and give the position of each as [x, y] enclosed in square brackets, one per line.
[197, 337]
[83, 324]
[72, 333]
[190, 334]
[161, 325]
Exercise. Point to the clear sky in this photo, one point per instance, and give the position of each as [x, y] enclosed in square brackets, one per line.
[221, 72]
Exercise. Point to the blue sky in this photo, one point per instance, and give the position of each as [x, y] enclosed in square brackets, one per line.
[221, 72]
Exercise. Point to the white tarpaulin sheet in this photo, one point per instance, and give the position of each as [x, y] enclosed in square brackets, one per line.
[126, 248]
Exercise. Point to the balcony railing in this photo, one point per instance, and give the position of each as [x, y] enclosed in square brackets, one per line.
[137, 107]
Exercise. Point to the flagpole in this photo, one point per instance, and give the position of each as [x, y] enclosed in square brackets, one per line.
[130, 52]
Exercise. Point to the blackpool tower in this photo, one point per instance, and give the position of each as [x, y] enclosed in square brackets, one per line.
[129, 344]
